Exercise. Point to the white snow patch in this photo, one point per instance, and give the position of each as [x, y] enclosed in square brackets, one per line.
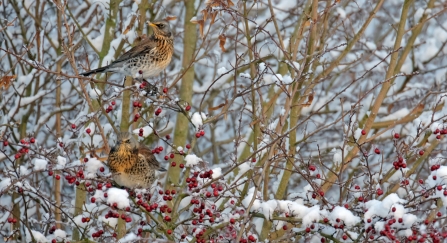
[344, 214]
[91, 167]
[147, 130]
[262, 67]
[217, 172]
[198, 118]
[131, 237]
[40, 164]
[185, 202]
[61, 162]
[191, 160]
[341, 13]
[6, 182]
[38, 237]
[119, 196]
[221, 71]
[94, 93]
[110, 221]
[244, 75]
[60, 234]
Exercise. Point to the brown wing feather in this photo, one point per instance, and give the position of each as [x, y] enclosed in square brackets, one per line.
[150, 158]
[145, 46]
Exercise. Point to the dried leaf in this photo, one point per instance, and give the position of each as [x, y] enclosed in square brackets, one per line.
[230, 3]
[217, 107]
[213, 17]
[307, 23]
[204, 14]
[6, 81]
[310, 98]
[194, 20]
[127, 29]
[170, 18]
[222, 40]
[201, 24]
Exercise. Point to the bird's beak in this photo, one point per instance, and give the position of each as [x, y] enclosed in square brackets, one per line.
[151, 24]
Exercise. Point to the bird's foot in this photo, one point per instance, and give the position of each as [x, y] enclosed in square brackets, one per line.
[149, 88]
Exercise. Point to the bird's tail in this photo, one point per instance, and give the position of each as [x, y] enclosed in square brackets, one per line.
[98, 70]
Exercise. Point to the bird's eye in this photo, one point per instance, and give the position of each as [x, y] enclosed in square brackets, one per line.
[161, 26]
[127, 141]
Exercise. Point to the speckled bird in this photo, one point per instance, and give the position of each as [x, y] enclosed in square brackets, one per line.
[132, 164]
[151, 56]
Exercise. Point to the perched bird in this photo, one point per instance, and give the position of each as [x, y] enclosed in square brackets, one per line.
[148, 59]
[132, 164]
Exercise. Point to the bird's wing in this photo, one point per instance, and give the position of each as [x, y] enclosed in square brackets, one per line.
[150, 158]
[144, 46]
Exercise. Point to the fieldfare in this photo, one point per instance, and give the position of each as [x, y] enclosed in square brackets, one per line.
[147, 59]
[132, 164]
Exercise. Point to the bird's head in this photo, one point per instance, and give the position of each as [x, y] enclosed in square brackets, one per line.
[161, 28]
[126, 141]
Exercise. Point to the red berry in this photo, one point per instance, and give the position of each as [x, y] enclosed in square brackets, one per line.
[251, 238]
[421, 152]
[101, 169]
[58, 177]
[284, 227]
[93, 199]
[50, 173]
[396, 136]
[73, 126]
[32, 140]
[232, 221]
[188, 146]
[5, 143]
[88, 130]
[165, 90]
[345, 237]
[168, 137]
[17, 156]
[182, 166]
[169, 231]
[379, 192]
[377, 151]
[363, 132]
[85, 160]
[173, 164]
[187, 108]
